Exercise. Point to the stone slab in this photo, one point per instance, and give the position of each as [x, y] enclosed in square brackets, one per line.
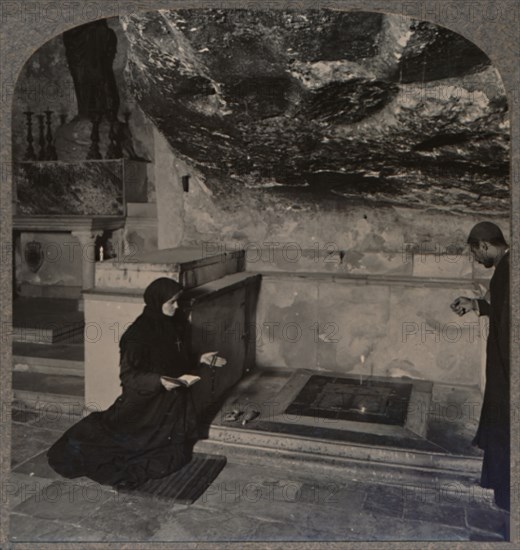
[38, 466]
[24, 528]
[388, 501]
[67, 501]
[444, 514]
[20, 487]
[27, 442]
[485, 518]
[129, 518]
[190, 266]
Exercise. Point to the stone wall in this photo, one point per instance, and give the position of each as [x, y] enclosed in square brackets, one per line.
[401, 324]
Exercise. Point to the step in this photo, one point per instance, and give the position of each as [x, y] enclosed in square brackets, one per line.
[49, 333]
[55, 359]
[36, 390]
[47, 321]
[375, 464]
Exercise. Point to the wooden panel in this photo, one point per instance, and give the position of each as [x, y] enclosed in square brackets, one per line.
[218, 325]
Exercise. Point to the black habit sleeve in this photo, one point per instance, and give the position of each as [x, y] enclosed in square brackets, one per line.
[131, 375]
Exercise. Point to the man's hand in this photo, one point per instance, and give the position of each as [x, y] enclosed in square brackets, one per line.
[211, 358]
[462, 305]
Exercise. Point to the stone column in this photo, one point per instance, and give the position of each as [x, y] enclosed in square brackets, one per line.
[87, 240]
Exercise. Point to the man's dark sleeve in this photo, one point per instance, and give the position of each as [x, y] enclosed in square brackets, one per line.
[504, 325]
[483, 307]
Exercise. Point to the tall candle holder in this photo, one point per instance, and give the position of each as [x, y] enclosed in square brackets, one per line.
[42, 155]
[114, 150]
[50, 151]
[29, 152]
[94, 152]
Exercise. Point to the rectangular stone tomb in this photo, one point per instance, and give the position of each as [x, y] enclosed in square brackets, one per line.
[192, 267]
[384, 402]
[378, 405]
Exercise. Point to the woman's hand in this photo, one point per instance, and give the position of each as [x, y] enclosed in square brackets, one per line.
[211, 358]
[168, 385]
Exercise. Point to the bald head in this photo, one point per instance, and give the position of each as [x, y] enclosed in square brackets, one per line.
[486, 232]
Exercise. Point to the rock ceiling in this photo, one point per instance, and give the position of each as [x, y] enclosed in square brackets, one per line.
[321, 103]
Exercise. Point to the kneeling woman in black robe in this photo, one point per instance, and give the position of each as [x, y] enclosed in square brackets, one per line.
[150, 429]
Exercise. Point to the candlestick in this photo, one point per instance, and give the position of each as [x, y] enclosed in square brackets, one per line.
[114, 148]
[93, 152]
[213, 373]
[50, 152]
[29, 152]
[41, 140]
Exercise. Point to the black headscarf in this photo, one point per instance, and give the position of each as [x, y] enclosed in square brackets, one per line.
[157, 293]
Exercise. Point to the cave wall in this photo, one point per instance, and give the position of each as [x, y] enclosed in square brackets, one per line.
[367, 241]
[322, 104]
[411, 200]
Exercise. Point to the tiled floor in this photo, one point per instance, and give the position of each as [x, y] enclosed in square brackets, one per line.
[260, 501]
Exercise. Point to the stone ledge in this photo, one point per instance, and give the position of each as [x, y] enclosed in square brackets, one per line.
[357, 279]
[191, 296]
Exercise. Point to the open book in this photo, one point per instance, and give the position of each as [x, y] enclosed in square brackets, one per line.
[184, 380]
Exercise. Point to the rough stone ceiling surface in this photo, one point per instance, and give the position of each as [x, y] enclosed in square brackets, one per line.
[318, 104]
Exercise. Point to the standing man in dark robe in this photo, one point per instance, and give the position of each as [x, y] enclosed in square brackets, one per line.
[489, 248]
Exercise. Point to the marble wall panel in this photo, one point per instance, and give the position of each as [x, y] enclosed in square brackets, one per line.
[456, 265]
[401, 330]
[286, 314]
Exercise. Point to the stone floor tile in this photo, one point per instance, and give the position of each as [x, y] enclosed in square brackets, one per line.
[436, 513]
[251, 500]
[373, 527]
[267, 531]
[58, 420]
[485, 518]
[24, 528]
[131, 518]
[385, 500]
[27, 442]
[331, 494]
[198, 524]
[66, 501]
[20, 487]
[23, 415]
[38, 466]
